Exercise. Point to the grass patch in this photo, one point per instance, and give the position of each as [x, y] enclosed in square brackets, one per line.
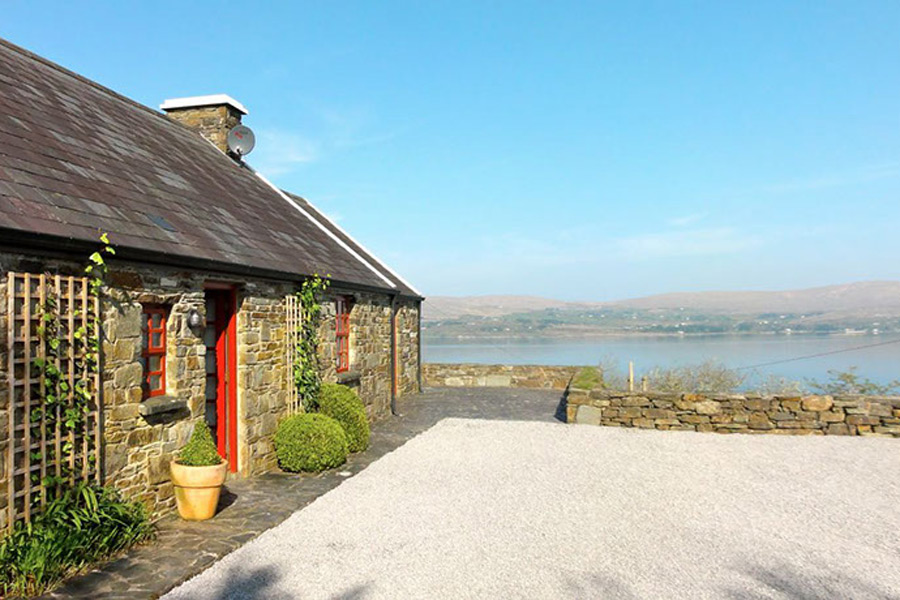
[587, 378]
[84, 526]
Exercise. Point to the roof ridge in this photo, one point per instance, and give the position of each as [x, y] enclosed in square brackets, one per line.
[57, 67]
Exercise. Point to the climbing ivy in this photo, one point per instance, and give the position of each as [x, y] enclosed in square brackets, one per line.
[57, 411]
[307, 380]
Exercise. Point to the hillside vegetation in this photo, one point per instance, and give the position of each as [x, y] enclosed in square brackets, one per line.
[868, 307]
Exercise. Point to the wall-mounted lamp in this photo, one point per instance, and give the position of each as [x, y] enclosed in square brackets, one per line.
[194, 319]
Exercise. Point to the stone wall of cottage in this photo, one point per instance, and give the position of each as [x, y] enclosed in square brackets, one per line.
[138, 446]
[738, 413]
[263, 373]
[370, 348]
[408, 347]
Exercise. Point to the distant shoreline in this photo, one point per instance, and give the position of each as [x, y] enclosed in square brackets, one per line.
[641, 335]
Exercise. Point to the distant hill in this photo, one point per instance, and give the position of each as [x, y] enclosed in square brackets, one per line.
[451, 307]
[866, 296]
[857, 308]
[862, 297]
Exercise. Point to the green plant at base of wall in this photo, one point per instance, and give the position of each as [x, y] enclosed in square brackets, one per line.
[307, 378]
[200, 451]
[310, 442]
[343, 405]
[83, 525]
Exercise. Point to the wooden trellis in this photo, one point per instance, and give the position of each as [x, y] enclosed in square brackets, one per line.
[42, 450]
[294, 321]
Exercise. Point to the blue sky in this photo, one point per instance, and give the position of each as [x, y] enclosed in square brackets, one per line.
[572, 150]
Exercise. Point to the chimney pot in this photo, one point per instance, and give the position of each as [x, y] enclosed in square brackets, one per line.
[211, 116]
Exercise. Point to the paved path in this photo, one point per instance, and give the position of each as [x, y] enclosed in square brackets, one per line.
[491, 509]
[252, 506]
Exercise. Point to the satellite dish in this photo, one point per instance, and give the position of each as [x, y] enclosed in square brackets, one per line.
[241, 140]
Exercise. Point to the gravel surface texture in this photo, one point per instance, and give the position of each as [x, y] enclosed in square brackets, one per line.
[491, 509]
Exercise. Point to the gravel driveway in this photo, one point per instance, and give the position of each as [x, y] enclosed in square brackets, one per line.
[491, 509]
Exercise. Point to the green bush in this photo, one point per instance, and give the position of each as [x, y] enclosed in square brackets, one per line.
[310, 442]
[81, 527]
[343, 405]
[200, 451]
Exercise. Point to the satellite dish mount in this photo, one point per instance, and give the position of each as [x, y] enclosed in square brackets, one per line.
[240, 140]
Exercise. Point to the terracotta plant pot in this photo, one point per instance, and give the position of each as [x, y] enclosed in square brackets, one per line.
[197, 489]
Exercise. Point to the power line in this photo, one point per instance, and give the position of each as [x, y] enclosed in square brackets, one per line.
[818, 355]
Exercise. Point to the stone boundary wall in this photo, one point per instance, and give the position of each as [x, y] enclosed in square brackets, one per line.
[735, 413]
[517, 376]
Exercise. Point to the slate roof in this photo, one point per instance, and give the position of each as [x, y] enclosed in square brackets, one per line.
[76, 159]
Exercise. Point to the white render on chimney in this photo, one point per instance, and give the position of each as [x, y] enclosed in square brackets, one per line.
[198, 101]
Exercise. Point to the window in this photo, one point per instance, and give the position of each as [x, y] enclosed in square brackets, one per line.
[154, 351]
[342, 333]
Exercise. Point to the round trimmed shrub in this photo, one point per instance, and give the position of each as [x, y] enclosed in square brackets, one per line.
[342, 404]
[200, 451]
[310, 442]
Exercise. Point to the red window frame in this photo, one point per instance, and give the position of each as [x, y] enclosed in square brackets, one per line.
[342, 333]
[149, 349]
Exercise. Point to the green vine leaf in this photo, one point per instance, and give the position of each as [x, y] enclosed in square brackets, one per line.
[306, 368]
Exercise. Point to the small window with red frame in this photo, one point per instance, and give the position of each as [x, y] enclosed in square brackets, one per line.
[342, 333]
[154, 350]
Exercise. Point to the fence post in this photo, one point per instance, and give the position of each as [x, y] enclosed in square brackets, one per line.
[630, 376]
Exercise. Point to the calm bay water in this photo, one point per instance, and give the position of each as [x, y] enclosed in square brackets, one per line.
[881, 363]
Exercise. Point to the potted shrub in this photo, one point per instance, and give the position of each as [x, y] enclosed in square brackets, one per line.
[198, 473]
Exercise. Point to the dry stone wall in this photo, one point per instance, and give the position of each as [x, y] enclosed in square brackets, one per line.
[736, 413]
[475, 375]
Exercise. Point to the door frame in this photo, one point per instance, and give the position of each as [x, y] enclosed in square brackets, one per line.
[226, 369]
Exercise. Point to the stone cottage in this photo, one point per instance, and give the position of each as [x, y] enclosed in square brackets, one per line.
[195, 313]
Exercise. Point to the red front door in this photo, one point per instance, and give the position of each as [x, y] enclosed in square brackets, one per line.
[221, 370]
